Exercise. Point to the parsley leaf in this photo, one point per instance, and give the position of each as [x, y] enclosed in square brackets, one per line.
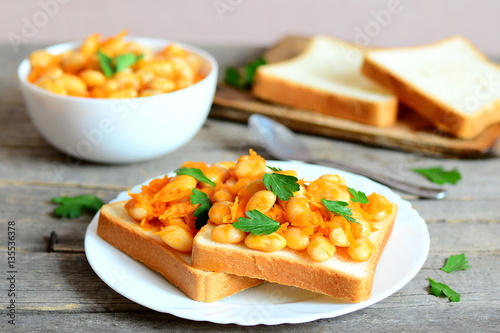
[72, 207]
[251, 69]
[275, 169]
[196, 174]
[111, 66]
[201, 198]
[456, 263]
[438, 289]
[340, 208]
[438, 175]
[243, 78]
[233, 78]
[126, 60]
[281, 185]
[201, 213]
[358, 196]
[106, 64]
[257, 223]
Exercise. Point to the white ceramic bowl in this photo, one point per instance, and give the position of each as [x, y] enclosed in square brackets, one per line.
[121, 130]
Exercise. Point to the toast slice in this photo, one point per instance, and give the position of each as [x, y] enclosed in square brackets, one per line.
[326, 77]
[123, 232]
[449, 82]
[339, 277]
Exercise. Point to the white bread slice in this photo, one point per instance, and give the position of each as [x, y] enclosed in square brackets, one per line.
[123, 232]
[326, 77]
[449, 82]
[340, 276]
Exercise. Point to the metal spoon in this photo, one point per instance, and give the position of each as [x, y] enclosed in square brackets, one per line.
[282, 143]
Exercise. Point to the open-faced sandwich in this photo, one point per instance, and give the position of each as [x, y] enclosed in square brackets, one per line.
[318, 234]
[213, 230]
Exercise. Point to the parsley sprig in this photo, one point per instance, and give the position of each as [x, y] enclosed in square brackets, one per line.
[257, 223]
[438, 289]
[438, 175]
[201, 213]
[196, 174]
[281, 185]
[340, 208]
[111, 66]
[453, 263]
[72, 207]
[456, 263]
[243, 78]
[358, 196]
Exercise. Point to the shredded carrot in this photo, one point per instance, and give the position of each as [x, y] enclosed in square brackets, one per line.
[235, 210]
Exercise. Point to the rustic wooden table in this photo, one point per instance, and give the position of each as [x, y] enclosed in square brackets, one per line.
[59, 291]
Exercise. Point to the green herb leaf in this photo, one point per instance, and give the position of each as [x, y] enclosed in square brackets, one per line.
[72, 207]
[196, 174]
[438, 175]
[281, 185]
[340, 208]
[439, 289]
[111, 66]
[201, 213]
[126, 60]
[358, 196]
[233, 77]
[275, 169]
[243, 78]
[106, 64]
[456, 263]
[201, 198]
[251, 69]
[257, 223]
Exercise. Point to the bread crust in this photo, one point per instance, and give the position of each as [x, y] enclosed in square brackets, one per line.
[289, 93]
[295, 268]
[117, 228]
[277, 90]
[442, 115]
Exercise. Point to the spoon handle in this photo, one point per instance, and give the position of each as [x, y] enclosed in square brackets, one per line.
[421, 191]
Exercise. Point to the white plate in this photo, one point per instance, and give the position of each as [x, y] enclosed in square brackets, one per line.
[269, 304]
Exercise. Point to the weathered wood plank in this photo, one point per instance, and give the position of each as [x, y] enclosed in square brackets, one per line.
[413, 319]
[54, 284]
[33, 203]
[216, 142]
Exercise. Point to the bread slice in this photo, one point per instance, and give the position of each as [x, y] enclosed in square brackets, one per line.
[120, 230]
[449, 82]
[340, 276]
[326, 77]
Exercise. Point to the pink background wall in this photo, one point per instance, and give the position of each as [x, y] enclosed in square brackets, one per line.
[255, 22]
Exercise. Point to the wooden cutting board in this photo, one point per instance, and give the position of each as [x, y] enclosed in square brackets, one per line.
[410, 133]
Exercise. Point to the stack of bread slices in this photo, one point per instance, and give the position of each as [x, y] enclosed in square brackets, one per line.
[215, 270]
[450, 82]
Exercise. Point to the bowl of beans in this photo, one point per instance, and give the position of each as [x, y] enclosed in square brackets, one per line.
[118, 99]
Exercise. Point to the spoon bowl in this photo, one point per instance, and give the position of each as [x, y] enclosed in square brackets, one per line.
[278, 139]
